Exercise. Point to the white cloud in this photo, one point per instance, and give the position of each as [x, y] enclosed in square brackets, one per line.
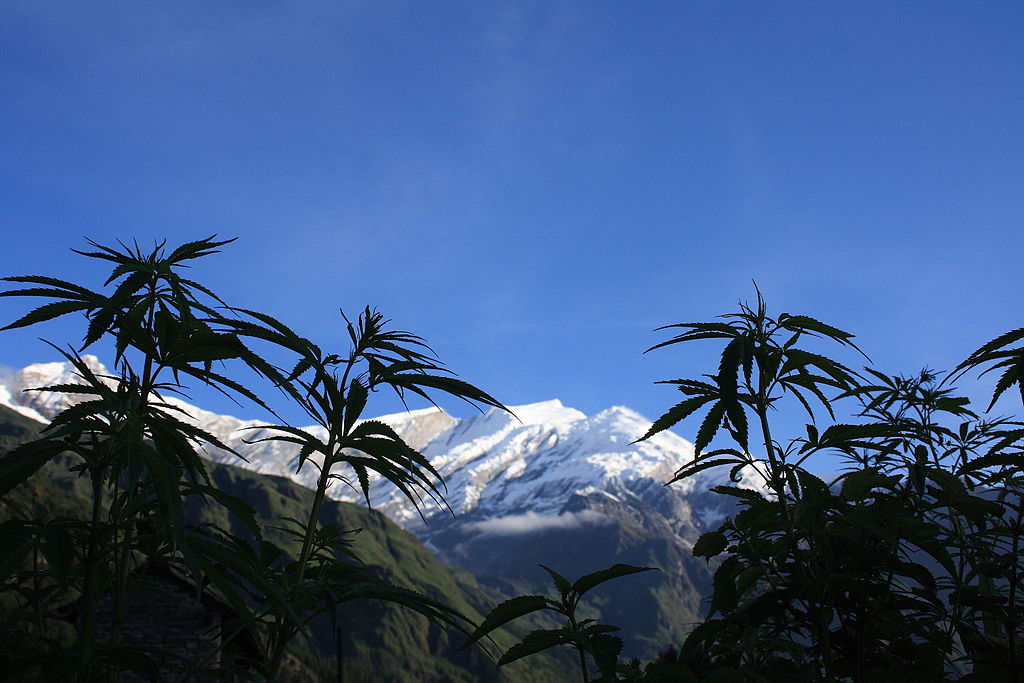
[531, 521]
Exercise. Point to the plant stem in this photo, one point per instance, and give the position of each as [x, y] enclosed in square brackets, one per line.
[314, 513]
[813, 608]
[86, 633]
[287, 630]
[571, 613]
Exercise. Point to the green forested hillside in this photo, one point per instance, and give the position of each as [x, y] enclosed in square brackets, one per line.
[380, 642]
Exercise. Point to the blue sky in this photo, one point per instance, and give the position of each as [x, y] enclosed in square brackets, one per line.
[534, 187]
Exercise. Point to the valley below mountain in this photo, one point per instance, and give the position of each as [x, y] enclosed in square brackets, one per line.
[545, 484]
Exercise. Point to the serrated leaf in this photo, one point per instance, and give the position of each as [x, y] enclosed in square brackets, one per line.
[1013, 460]
[709, 427]
[47, 282]
[728, 367]
[692, 468]
[504, 613]
[605, 649]
[675, 414]
[25, 460]
[858, 484]
[980, 354]
[589, 581]
[47, 312]
[749, 495]
[561, 583]
[236, 506]
[534, 642]
[737, 422]
[449, 385]
[798, 359]
[355, 403]
[710, 330]
[710, 544]
[725, 596]
[1014, 374]
[805, 323]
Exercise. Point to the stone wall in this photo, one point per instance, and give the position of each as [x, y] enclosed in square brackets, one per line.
[164, 614]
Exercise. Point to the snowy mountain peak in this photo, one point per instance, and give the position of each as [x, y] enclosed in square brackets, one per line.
[60, 370]
[18, 392]
[419, 427]
[533, 459]
[544, 412]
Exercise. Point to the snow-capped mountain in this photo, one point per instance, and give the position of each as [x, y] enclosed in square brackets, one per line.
[504, 471]
[545, 484]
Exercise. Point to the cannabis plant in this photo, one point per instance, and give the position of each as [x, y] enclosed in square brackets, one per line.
[333, 390]
[135, 448]
[142, 457]
[903, 565]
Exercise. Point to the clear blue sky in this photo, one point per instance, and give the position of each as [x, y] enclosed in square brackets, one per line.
[534, 187]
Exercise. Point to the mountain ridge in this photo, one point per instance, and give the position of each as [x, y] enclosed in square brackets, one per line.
[544, 483]
[484, 460]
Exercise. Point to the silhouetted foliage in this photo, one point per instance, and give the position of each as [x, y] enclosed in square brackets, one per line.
[586, 636]
[907, 564]
[141, 456]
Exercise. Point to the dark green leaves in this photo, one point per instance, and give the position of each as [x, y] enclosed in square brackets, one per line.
[998, 356]
[802, 324]
[759, 363]
[827, 583]
[710, 544]
[139, 450]
[506, 612]
[675, 414]
[857, 485]
[561, 583]
[70, 298]
[47, 312]
[586, 636]
[709, 427]
[589, 581]
[334, 390]
[24, 461]
[534, 642]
